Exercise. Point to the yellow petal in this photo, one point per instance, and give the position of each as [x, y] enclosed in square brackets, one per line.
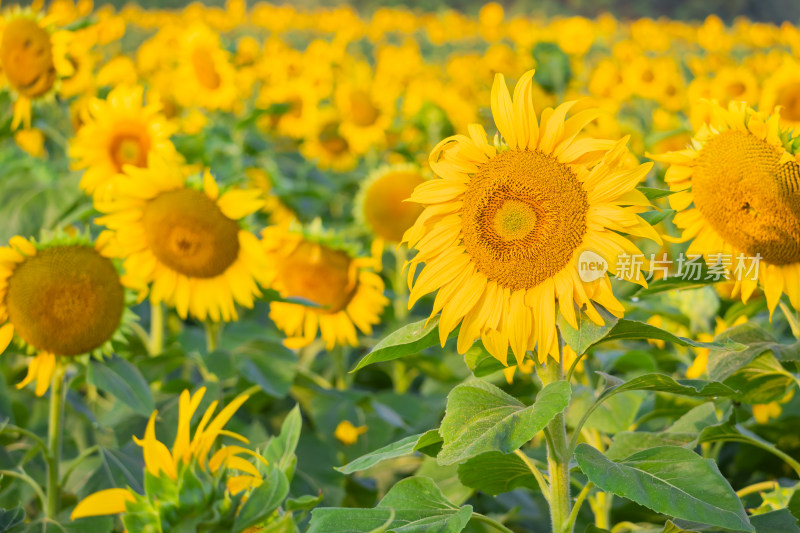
[104, 502]
[502, 110]
[6, 334]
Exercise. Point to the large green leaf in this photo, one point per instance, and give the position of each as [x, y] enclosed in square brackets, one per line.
[268, 364]
[627, 443]
[664, 383]
[400, 448]
[633, 329]
[413, 505]
[670, 480]
[280, 449]
[756, 341]
[408, 340]
[119, 378]
[588, 333]
[262, 501]
[482, 418]
[495, 473]
[762, 381]
[780, 521]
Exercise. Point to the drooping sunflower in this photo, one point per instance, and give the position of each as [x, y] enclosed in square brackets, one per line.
[343, 292]
[120, 130]
[60, 298]
[740, 198]
[186, 244]
[176, 466]
[32, 60]
[505, 224]
[380, 205]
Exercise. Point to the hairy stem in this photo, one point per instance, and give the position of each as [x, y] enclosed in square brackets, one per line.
[54, 434]
[558, 459]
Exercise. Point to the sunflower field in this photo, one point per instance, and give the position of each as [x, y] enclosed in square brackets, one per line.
[276, 269]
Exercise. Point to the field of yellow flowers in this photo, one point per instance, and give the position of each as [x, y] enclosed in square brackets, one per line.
[271, 269]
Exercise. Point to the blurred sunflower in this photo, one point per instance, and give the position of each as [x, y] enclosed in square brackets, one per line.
[205, 75]
[187, 243]
[60, 298]
[32, 60]
[327, 146]
[342, 292]
[782, 88]
[503, 228]
[278, 212]
[366, 109]
[380, 205]
[120, 130]
[744, 198]
[175, 465]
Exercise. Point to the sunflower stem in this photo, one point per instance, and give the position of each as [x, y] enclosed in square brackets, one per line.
[156, 329]
[558, 458]
[54, 434]
[213, 330]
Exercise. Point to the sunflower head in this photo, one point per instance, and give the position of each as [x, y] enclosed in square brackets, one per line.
[342, 291]
[63, 297]
[504, 225]
[381, 202]
[740, 184]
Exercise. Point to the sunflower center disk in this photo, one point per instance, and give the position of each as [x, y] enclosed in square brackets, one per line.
[384, 209]
[26, 57]
[748, 197]
[188, 233]
[65, 300]
[319, 274]
[129, 149]
[363, 112]
[205, 70]
[524, 215]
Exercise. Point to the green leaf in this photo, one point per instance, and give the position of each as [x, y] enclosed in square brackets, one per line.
[400, 448]
[663, 383]
[481, 363]
[408, 340]
[669, 480]
[653, 193]
[670, 527]
[695, 420]
[780, 521]
[482, 418]
[303, 502]
[495, 473]
[270, 365]
[654, 217]
[280, 450]
[632, 329]
[756, 341]
[11, 517]
[627, 443]
[612, 415]
[762, 381]
[588, 333]
[119, 378]
[413, 505]
[262, 501]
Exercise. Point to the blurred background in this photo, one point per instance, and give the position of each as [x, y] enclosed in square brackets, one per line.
[776, 11]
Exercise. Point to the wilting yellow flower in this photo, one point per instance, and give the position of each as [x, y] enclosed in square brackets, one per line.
[32, 60]
[343, 293]
[186, 243]
[743, 200]
[61, 299]
[118, 131]
[186, 450]
[30, 140]
[381, 204]
[347, 433]
[503, 228]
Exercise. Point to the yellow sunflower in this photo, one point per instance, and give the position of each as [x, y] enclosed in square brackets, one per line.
[326, 146]
[205, 76]
[62, 298]
[504, 226]
[186, 244]
[32, 60]
[119, 131]
[380, 204]
[344, 294]
[740, 199]
[782, 88]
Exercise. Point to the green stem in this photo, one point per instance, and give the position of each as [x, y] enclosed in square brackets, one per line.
[213, 330]
[558, 458]
[54, 434]
[27, 479]
[573, 516]
[10, 428]
[156, 329]
[77, 461]
[543, 486]
[491, 522]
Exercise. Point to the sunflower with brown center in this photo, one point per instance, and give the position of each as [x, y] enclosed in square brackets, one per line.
[343, 293]
[116, 132]
[32, 60]
[740, 195]
[185, 244]
[63, 298]
[505, 224]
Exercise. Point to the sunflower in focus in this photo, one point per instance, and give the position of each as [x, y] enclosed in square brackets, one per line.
[343, 293]
[61, 298]
[740, 196]
[381, 204]
[116, 132]
[32, 60]
[504, 225]
[185, 242]
[175, 464]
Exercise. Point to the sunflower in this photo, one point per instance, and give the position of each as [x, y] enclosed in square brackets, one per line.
[327, 146]
[119, 131]
[739, 198]
[503, 228]
[32, 60]
[61, 298]
[187, 451]
[343, 293]
[205, 76]
[366, 109]
[782, 88]
[186, 244]
[380, 203]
